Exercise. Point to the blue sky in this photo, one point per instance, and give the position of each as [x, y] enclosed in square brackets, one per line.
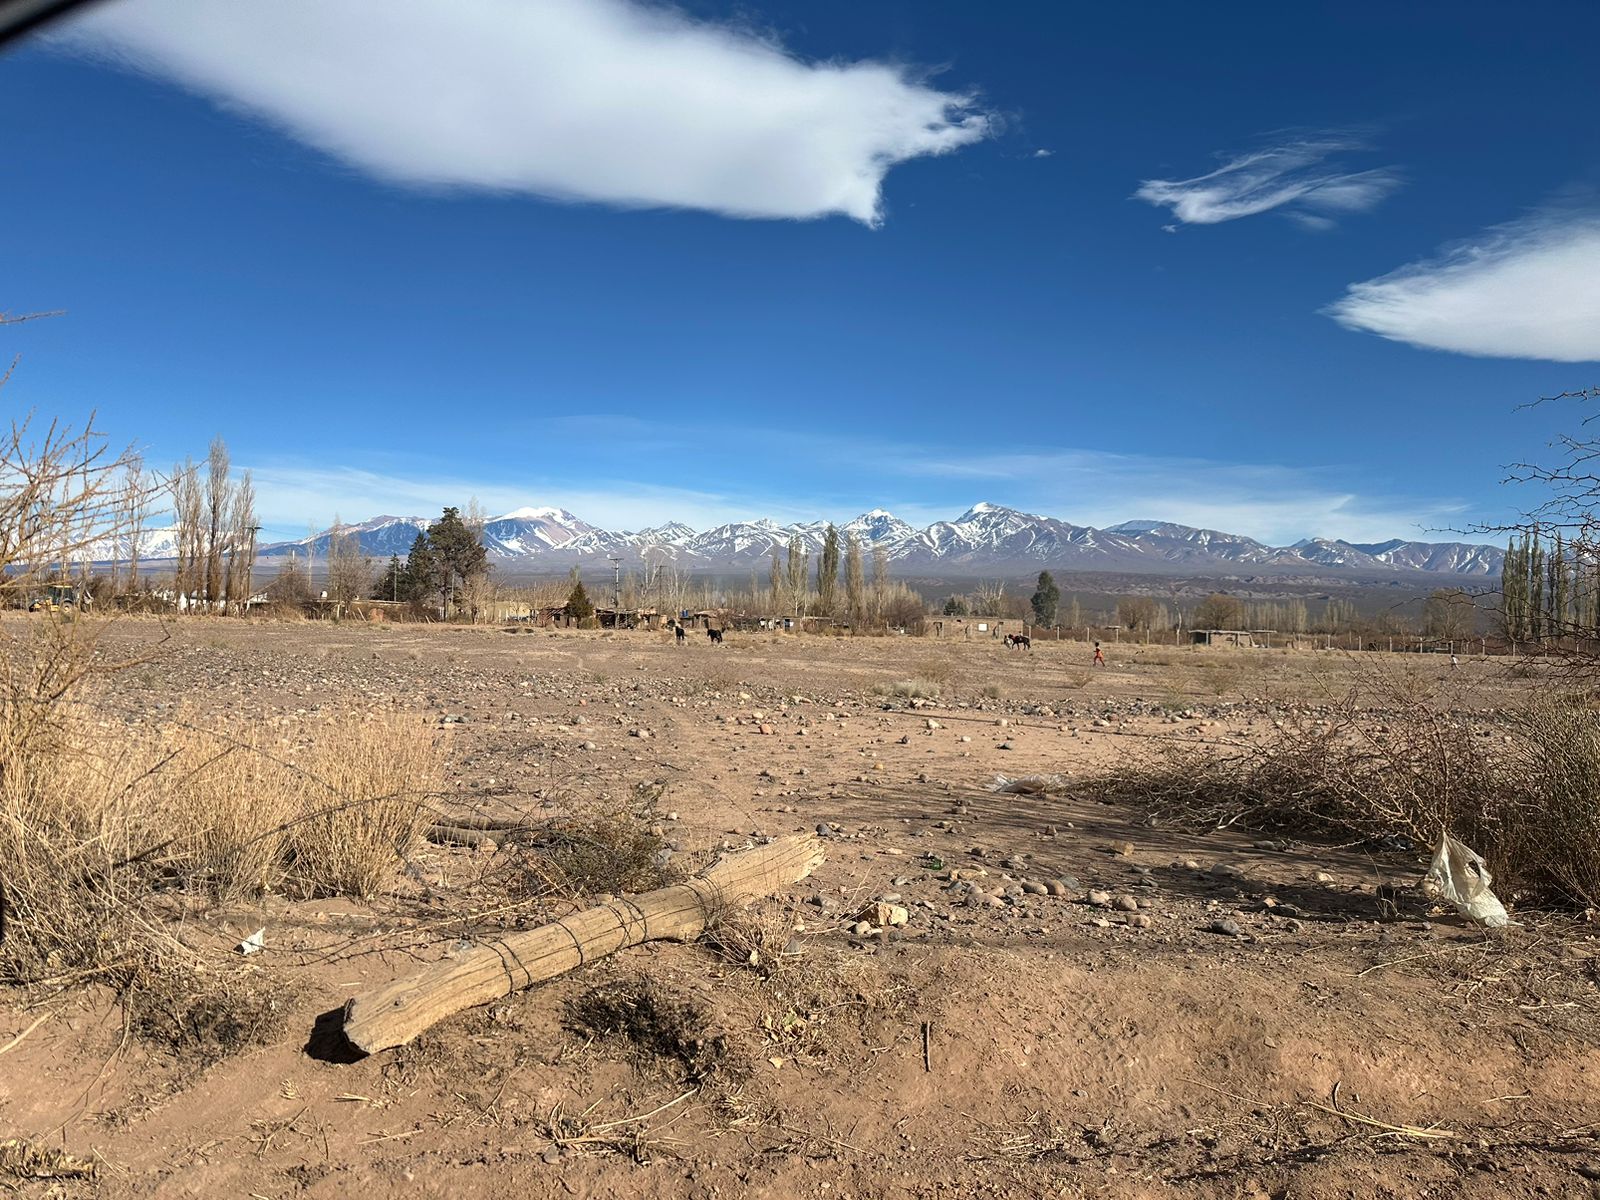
[1282, 270]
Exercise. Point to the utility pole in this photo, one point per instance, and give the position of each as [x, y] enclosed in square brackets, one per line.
[616, 585]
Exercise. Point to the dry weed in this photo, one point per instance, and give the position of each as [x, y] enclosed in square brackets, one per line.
[110, 836]
[1527, 798]
[596, 848]
[915, 689]
[665, 1027]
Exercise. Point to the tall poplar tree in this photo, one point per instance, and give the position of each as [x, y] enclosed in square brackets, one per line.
[828, 571]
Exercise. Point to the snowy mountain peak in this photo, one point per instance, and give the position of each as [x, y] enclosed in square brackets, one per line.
[538, 514]
[1142, 527]
[879, 527]
[987, 539]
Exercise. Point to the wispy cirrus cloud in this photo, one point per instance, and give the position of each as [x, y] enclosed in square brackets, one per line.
[1528, 289]
[618, 101]
[1304, 178]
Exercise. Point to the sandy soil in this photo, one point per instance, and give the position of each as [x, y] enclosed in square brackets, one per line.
[1002, 1043]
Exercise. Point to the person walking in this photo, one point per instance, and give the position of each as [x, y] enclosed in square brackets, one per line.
[1099, 659]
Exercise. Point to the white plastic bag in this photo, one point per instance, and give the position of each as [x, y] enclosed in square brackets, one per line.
[1459, 877]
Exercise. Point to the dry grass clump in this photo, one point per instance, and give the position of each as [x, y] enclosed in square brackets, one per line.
[26, 1160]
[361, 804]
[915, 689]
[111, 837]
[1524, 794]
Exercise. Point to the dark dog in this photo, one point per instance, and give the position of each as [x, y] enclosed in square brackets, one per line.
[715, 635]
[1019, 641]
[682, 636]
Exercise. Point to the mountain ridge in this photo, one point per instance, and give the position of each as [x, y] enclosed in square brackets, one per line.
[987, 538]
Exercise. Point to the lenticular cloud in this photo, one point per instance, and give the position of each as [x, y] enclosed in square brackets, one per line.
[585, 100]
[1527, 290]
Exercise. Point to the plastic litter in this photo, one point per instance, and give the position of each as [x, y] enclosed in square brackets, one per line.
[1459, 877]
[256, 941]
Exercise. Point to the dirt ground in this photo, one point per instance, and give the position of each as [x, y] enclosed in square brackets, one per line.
[1237, 1017]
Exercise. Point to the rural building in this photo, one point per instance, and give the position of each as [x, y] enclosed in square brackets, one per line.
[1222, 637]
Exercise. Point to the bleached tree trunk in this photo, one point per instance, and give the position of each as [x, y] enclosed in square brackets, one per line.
[395, 1013]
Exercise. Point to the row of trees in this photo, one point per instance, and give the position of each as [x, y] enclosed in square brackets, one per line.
[1549, 589]
[840, 587]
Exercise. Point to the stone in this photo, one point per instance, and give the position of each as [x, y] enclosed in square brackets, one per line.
[1140, 921]
[1224, 926]
[1034, 888]
[1100, 899]
[1125, 904]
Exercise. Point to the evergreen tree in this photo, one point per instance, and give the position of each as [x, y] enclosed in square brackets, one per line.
[828, 571]
[460, 554]
[1535, 564]
[579, 607]
[1558, 597]
[390, 580]
[1045, 599]
[1514, 592]
[955, 607]
[420, 582]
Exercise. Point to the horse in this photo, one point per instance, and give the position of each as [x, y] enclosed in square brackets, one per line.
[1019, 641]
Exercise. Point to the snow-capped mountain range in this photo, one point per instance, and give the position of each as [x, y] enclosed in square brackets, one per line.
[986, 539]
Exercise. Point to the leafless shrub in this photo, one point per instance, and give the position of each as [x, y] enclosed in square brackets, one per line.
[596, 848]
[1527, 798]
[665, 1027]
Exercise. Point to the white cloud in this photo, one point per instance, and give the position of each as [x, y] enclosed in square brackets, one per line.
[1530, 289]
[616, 101]
[1297, 177]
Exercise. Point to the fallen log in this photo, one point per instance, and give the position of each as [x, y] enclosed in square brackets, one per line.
[471, 821]
[395, 1013]
[457, 835]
